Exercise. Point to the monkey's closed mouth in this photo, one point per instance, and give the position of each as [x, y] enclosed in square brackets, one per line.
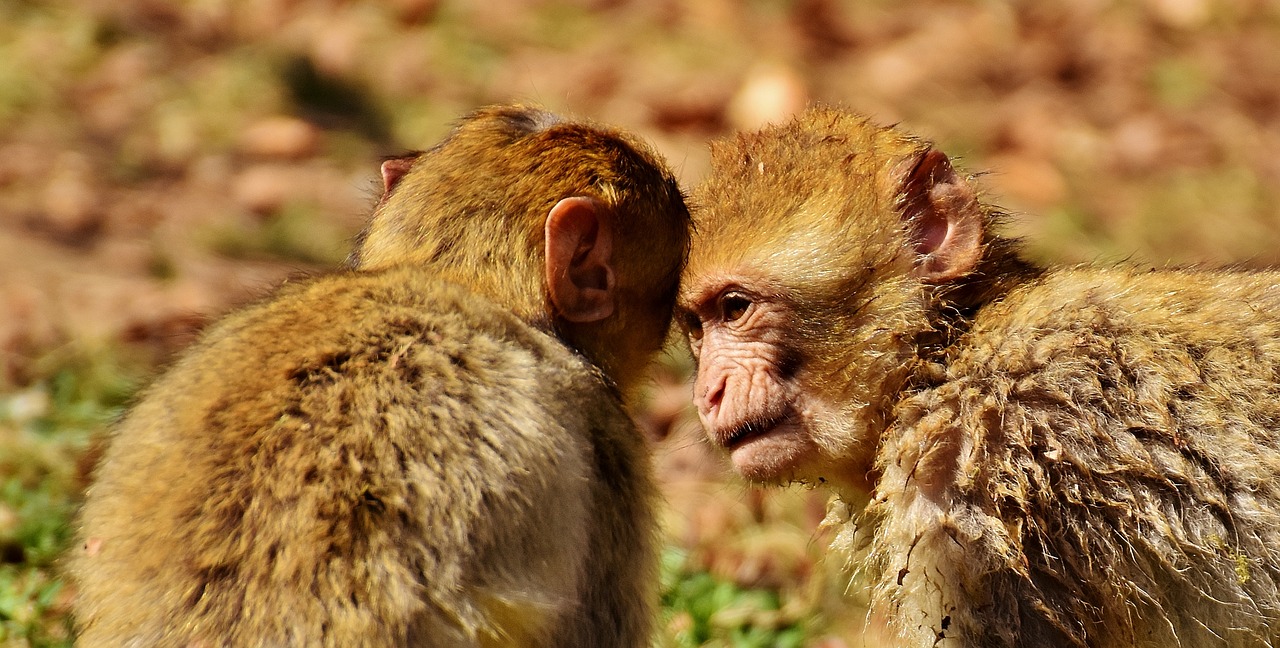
[752, 428]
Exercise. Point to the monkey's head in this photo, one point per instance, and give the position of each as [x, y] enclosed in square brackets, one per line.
[819, 248]
[576, 228]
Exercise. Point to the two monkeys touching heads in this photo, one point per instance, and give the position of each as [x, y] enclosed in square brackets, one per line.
[432, 446]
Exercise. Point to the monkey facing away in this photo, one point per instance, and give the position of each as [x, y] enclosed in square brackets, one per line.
[1023, 456]
[429, 449]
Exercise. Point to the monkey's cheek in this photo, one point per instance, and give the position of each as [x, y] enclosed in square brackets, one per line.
[778, 455]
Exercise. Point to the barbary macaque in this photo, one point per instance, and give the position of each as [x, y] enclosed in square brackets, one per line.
[429, 448]
[1022, 456]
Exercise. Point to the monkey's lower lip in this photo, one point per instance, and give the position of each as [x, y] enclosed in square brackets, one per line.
[750, 429]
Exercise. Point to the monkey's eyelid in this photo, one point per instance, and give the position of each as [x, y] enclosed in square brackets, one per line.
[734, 305]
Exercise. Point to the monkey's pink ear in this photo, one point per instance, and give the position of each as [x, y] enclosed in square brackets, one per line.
[579, 268]
[394, 170]
[944, 219]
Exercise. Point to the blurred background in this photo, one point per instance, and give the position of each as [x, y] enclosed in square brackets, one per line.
[162, 161]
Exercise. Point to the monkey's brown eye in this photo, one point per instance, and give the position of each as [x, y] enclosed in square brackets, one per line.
[733, 306]
[692, 326]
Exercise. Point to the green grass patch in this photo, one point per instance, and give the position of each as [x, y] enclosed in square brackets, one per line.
[46, 430]
[699, 609]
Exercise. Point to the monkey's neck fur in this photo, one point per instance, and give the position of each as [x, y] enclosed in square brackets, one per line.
[860, 514]
[946, 314]
[616, 367]
[952, 308]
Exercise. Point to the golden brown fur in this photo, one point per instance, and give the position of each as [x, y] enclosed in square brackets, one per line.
[543, 160]
[391, 455]
[1066, 457]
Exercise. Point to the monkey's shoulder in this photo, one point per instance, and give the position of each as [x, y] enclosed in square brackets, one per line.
[358, 308]
[1111, 314]
[390, 357]
[371, 319]
[355, 390]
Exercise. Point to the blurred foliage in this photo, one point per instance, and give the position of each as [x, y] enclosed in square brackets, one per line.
[702, 610]
[332, 99]
[297, 232]
[47, 429]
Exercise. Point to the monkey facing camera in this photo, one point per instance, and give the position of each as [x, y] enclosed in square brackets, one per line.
[1022, 456]
[428, 448]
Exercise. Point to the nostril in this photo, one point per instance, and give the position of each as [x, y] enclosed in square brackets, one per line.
[708, 394]
[714, 397]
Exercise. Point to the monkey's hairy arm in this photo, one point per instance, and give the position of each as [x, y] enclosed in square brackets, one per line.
[339, 466]
[1103, 445]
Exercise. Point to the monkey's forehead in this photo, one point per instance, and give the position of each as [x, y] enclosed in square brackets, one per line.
[820, 134]
[805, 170]
[809, 246]
[794, 203]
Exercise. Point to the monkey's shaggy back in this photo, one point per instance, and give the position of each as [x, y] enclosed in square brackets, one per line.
[371, 459]
[1096, 462]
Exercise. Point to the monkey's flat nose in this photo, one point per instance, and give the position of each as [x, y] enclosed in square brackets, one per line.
[709, 404]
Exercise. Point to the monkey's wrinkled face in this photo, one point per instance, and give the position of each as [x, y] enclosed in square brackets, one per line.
[747, 391]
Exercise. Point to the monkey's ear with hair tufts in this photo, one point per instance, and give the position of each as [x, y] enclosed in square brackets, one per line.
[579, 266]
[944, 220]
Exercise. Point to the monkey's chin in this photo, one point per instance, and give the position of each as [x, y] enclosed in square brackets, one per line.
[775, 455]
